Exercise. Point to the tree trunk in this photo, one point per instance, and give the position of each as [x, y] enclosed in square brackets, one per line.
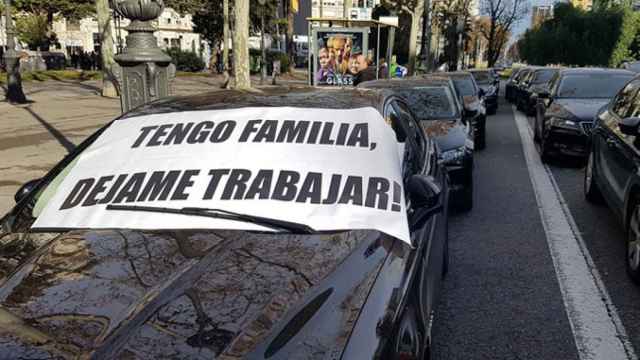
[225, 41]
[290, 47]
[413, 35]
[241, 45]
[105, 26]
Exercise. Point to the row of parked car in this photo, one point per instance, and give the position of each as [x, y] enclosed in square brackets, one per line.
[593, 115]
[257, 285]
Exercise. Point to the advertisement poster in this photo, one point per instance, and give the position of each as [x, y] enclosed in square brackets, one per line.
[339, 55]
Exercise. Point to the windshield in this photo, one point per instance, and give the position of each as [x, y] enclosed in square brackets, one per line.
[543, 76]
[592, 86]
[483, 77]
[464, 86]
[431, 102]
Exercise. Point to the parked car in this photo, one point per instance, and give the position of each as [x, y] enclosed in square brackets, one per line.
[435, 105]
[523, 83]
[472, 99]
[565, 114]
[612, 170]
[631, 66]
[512, 83]
[251, 286]
[489, 82]
[537, 82]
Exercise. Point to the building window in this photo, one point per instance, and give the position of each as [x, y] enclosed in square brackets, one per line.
[168, 20]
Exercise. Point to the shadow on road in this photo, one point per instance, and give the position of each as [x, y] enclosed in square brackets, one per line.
[68, 145]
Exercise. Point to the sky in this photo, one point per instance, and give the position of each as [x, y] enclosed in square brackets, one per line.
[525, 23]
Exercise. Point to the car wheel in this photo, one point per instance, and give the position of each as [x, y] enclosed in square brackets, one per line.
[481, 138]
[492, 111]
[591, 190]
[633, 246]
[536, 133]
[544, 150]
[445, 260]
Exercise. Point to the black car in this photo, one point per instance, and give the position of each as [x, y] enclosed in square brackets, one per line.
[613, 171]
[288, 292]
[489, 82]
[512, 83]
[436, 107]
[472, 99]
[536, 82]
[565, 114]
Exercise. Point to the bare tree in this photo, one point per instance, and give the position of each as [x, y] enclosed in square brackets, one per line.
[241, 45]
[225, 41]
[105, 25]
[503, 15]
[452, 17]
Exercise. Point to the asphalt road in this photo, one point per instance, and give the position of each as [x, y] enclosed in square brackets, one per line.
[502, 298]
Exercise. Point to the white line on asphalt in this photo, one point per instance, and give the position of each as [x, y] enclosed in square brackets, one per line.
[597, 329]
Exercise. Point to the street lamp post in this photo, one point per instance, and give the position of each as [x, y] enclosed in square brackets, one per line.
[142, 70]
[12, 61]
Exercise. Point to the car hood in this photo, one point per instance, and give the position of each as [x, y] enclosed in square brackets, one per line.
[108, 294]
[449, 134]
[577, 109]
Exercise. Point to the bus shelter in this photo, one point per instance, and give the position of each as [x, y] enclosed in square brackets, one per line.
[345, 50]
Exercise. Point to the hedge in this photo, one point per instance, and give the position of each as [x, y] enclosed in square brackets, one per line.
[185, 60]
[602, 37]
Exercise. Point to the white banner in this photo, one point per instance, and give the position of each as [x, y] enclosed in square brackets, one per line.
[328, 169]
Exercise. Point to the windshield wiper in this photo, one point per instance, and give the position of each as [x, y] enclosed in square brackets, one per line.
[220, 214]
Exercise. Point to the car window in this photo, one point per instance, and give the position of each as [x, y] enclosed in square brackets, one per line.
[465, 86]
[543, 76]
[431, 102]
[592, 86]
[482, 77]
[624, 104]
[398, 123]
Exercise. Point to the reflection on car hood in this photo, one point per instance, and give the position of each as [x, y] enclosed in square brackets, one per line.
[449, 134]
[131, 294]
[579, 109]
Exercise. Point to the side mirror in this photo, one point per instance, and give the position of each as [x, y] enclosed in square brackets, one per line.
[629, 126]
[423, 191]
[481, 93]
[544, 95]
[25, 189]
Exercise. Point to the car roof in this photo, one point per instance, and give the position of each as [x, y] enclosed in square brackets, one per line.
[596, 71]
[294, 96]
[395, 84]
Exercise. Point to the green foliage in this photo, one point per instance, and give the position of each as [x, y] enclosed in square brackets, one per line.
[69, 9]
[185, 60]
[603, 37]
[255, 55]
[34, 31]
[208, 20]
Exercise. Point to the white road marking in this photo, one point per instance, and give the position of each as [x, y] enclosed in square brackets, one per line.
[597, 329]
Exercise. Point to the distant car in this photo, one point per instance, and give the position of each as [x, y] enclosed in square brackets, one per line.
[472, 98]
[510, 86]
[435, 105]
[613, 170]
[281, 291]
[489, 82]
[631, 66]
[537, 82]
[566, 113]
[520, 87]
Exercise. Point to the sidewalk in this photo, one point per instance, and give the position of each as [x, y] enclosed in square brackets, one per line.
[36, 136]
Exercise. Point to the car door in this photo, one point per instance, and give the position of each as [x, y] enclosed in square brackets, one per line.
[432, 228]
[616, 150]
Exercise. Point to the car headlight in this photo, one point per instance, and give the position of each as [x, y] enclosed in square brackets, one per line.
[565, 123]
[454, 156]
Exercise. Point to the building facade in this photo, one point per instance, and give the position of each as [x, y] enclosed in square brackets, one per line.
[582, 4]
[173, 31]
[339, 9]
